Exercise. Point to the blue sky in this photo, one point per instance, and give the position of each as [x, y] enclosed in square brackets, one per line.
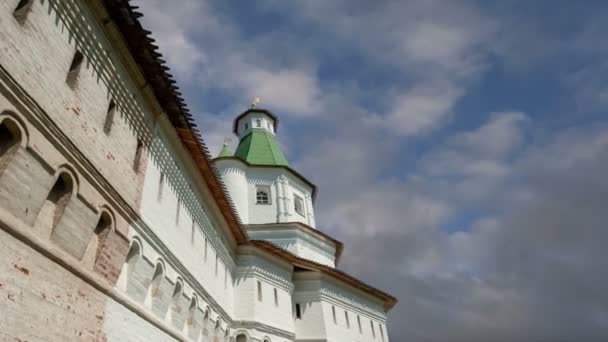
[460, 147]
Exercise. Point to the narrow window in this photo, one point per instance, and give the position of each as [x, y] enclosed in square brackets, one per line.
[381, 331]
[225, 277]
[10, 137]
[333, 313]
[138, 153]
[298, 311]
[347, 320]
[246, 125]
[298, 205]
[216, 261]
[177, 210]
[276, 298]
[192, 232]
[262, 197]
[58, 198]
[161, 185]
[359, 324]
[72, 78]
[22, 10]
[268, 125]
[205, 249]
[107, 125]
[259, 290]
[371, 324]
[258, 123]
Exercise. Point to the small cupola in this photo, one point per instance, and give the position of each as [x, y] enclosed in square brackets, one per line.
[255, 120]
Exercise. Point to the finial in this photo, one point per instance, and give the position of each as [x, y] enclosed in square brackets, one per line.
[227, 141]
[256, 100]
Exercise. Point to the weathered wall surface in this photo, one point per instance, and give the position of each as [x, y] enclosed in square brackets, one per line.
[42, 301]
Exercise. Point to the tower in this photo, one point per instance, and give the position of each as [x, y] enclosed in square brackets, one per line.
[274, 202]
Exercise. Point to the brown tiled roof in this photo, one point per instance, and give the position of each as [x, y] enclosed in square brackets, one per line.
[389, 301]
[156, 72]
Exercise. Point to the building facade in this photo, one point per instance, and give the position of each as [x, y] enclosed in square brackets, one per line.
[116, 225]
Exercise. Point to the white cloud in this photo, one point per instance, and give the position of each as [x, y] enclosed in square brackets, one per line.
[422, 108]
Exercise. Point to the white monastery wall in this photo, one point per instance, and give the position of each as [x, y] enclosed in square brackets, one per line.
[38, 54]
[178, 216]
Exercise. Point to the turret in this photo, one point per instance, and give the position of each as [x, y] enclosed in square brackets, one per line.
[274, 202]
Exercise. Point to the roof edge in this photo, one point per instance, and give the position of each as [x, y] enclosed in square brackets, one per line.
[388, 300]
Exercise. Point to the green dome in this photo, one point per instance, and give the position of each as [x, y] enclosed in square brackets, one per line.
[260, 148]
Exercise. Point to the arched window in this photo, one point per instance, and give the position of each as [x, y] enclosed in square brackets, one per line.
[262, 197]
[100, 235]
[241, 338]
[72, 78]
[10, 138]
[57, 200]
[22, 9]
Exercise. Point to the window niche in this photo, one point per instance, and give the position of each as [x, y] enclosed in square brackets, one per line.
[10, 138]
[55, 204]
[100, 235]
[130, 265]
[154, 292]
[298, 205]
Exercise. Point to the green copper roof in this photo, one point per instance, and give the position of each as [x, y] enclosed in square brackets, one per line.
[226, 152]
[260, 148]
